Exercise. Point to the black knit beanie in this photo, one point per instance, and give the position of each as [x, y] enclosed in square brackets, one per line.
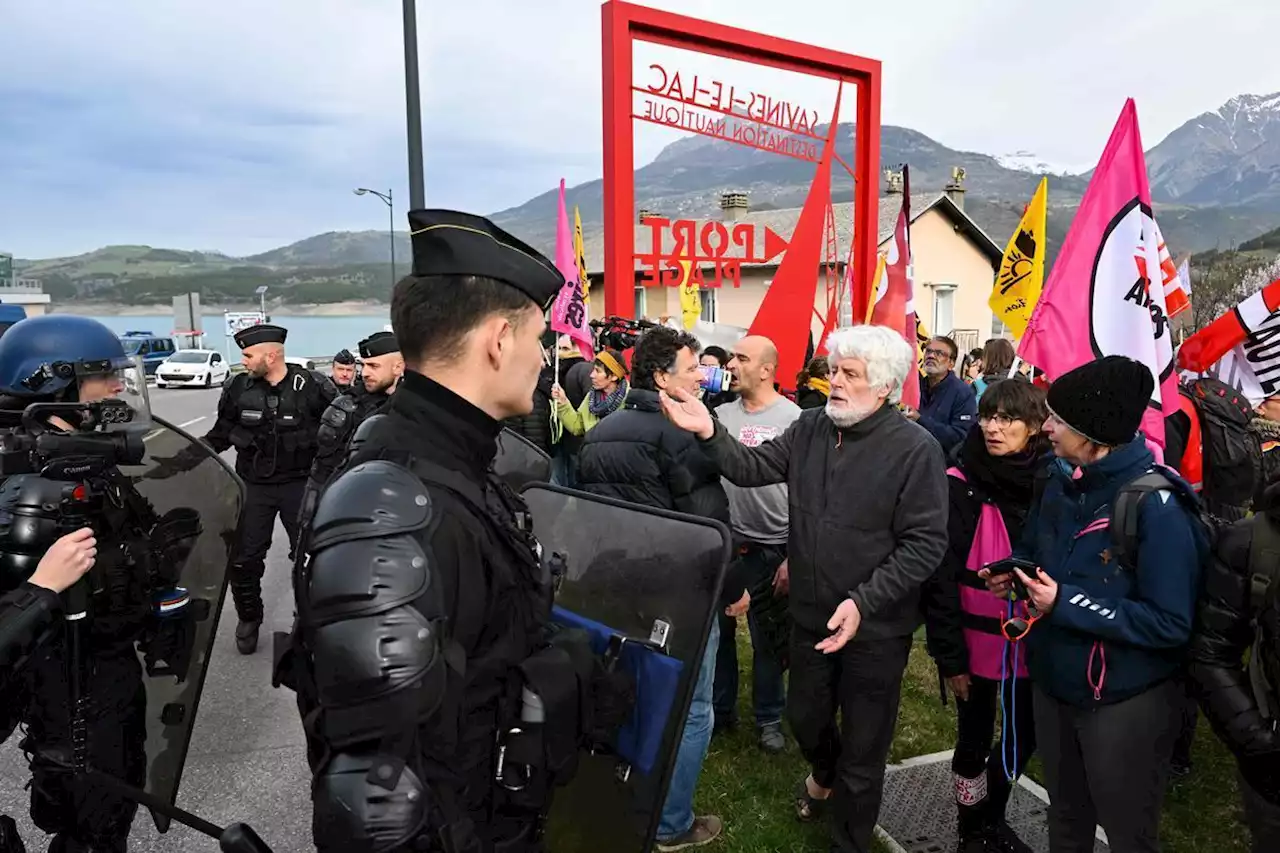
[1103, 400]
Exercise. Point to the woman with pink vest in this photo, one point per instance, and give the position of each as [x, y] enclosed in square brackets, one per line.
[992, 483]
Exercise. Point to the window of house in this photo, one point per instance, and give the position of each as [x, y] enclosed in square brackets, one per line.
[944, 298]
[709, 304]
[641, 302]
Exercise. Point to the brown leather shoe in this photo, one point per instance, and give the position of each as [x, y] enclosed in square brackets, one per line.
[705, 829]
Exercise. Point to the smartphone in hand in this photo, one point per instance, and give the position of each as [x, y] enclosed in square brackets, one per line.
[1007, 565]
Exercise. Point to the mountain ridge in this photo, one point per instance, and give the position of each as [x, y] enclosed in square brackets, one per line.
[1215, 179]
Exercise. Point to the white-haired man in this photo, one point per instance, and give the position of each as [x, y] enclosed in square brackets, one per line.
[868, 502]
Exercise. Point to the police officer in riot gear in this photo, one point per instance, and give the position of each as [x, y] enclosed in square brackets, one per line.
[383, 367]
[422, 609]
[344, 371]
[270, 414]
[26, 614]
[83, 698]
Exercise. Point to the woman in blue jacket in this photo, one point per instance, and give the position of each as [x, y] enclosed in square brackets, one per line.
[1108, 640]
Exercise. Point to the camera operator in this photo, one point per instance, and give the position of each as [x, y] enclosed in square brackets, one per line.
[85, 708]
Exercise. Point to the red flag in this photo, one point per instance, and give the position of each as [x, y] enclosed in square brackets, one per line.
[895, 298]
[785, 315]
[1100, 299]
[1202, 350]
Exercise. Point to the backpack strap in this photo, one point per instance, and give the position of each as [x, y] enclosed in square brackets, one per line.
[1126, 510]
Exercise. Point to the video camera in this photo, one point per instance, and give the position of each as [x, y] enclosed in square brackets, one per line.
[32, 448]
[620, 333]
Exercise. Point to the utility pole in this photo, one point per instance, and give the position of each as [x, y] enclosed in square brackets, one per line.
[413, 107]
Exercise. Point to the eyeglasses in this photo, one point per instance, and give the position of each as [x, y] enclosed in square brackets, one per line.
[938, 353]
[1000, 419]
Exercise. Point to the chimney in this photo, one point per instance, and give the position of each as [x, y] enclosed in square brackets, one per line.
[955, 189]
[646, 213]
[734, 206]
[892, 182]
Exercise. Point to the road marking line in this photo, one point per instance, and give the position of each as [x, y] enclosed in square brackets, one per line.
[191, 422]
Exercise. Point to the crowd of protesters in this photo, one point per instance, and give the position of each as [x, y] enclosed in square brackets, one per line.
[1074, 592]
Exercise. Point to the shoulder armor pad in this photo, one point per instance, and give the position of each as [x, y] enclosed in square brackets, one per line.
[371, 611]
[375, 498]
[368, 427]
[345, 402]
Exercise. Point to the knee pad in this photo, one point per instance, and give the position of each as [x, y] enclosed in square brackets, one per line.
[354, 814]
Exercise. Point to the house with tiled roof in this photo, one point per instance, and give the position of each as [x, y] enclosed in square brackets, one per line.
[955, 263]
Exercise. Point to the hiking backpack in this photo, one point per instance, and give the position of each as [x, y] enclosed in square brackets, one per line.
[1231, 455]
[1126, 509]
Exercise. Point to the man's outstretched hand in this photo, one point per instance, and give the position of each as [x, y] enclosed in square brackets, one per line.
[688, 413]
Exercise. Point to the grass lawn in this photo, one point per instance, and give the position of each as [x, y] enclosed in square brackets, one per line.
[752, 791]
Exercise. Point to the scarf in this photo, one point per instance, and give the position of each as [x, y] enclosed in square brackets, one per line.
[601, 404]
[1009, 481]
[823, 386]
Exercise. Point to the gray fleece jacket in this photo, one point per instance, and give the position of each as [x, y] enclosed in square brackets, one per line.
[868, 509]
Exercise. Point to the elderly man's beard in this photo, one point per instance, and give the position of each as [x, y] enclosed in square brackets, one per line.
[849, 414]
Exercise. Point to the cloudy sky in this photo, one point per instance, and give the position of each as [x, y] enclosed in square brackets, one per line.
[241, 125]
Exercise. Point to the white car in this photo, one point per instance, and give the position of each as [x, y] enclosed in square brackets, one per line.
[188, 368]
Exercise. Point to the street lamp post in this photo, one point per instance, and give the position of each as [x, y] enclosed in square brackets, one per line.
[262, 301]
[413, 107]
[391, 210]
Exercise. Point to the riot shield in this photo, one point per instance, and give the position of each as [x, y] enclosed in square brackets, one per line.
[196, 513]
[646, 584]
[520, 461]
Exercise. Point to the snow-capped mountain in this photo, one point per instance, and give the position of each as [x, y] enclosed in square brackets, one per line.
[1026, 161]
[1229, 156]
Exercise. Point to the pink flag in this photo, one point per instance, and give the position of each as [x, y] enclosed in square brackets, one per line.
[569, 313]
[1100, 299]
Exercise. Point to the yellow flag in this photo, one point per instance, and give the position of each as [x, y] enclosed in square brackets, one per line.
[877, 279]
[690, 296]
[1021, 276]
[580, 252]
[922, 340]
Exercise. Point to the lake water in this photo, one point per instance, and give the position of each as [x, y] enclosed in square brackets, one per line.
[312, 337]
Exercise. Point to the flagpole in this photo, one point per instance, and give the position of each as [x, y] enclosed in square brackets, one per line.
[1013, 369]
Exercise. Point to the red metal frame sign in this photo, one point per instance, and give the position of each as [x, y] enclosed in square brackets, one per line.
[714, 108]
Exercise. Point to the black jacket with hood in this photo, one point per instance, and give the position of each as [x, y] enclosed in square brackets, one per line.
[1229, 627]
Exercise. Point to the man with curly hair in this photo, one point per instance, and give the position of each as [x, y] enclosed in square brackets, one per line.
[637, 454]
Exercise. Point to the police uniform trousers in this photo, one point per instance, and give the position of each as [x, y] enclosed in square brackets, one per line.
[72, 807]
[263, 502]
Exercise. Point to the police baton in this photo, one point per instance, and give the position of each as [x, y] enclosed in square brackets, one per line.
[235, 838]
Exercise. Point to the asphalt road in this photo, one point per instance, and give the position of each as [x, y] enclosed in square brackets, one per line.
[246, 761]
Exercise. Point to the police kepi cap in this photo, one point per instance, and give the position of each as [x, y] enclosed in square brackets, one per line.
[344, 356]
[379, 343]
[446, 242]
[263, 333]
